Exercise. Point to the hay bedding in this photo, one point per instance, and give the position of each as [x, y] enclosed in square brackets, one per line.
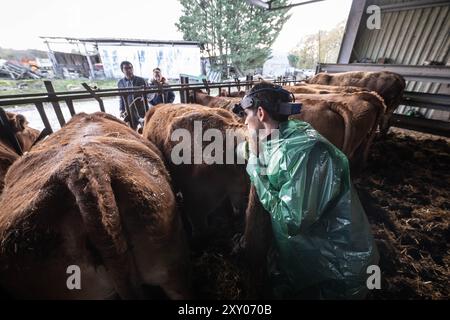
[405, 190]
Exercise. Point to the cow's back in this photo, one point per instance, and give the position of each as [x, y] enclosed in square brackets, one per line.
[96, 195]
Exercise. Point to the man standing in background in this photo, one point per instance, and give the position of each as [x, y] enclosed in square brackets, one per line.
[158, 80]
[138, 103]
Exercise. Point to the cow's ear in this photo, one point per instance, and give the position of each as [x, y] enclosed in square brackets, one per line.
[19, 122]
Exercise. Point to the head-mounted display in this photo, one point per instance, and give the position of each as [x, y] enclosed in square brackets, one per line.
[280, 107]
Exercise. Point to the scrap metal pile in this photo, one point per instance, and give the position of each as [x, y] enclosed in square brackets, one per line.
[14, 71]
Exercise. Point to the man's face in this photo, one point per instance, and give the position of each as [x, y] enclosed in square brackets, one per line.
[157, 75]
[128, 71]
[252, 119]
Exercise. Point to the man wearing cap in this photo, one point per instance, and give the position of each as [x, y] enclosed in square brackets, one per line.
[322, 239]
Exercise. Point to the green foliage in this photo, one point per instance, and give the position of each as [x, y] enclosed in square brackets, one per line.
[232, 31]
[8, 87]
[320, 47]
[294, 60]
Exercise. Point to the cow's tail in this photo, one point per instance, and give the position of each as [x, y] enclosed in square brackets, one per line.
[384, 114]
[347, 116]
[91, 187]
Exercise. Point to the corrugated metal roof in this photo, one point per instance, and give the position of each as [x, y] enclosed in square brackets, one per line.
[409, 37]
[122, 41]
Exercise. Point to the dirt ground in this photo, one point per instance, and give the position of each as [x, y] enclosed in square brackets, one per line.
[405, 190]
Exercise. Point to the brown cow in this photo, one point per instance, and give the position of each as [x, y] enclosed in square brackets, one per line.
[204, 99]
[388, 85]
[234, 94]
[98, 196]
[204, 185]
[25, 135]
[333, 121]
[321, 89]
[361, 113]
[337, 116]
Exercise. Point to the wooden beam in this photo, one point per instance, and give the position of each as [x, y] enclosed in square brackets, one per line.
[437, 127]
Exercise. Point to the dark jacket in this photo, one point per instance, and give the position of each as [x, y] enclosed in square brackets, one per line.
[134, 82]
[169, 96]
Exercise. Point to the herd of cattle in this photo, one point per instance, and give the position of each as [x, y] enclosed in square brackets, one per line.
[98, 195]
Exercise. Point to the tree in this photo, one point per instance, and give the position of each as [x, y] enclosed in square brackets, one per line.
[294, 60]
[232, 31]
[320, 47]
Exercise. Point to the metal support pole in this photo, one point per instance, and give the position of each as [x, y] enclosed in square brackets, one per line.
[238, 82]
[208, 90]
[161, 92]
[91, 67]
[129, 112]
[145, 99]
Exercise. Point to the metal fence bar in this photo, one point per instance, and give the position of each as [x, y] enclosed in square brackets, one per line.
[114, 93]
[41, 110]
[53, 99]
[94, 95]
[129, 112]
[432, 126]
[69, 104]
[206, 84]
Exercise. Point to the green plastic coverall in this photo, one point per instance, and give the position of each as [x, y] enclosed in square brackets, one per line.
[322, 237]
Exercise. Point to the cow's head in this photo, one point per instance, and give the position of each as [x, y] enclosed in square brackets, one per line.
[25, 135]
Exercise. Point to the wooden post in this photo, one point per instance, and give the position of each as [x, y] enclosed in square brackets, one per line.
[55, 103]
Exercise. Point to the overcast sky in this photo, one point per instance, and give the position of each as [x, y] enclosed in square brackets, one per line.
[23, 21]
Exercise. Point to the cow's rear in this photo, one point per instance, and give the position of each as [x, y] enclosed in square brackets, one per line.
[98, 197]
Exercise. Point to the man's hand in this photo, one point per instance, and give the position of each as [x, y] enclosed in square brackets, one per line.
[253, 142]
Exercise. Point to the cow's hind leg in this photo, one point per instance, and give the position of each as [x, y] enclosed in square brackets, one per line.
[177, 284]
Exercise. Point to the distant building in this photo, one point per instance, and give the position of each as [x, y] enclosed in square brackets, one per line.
[172, 57]
[277, 65]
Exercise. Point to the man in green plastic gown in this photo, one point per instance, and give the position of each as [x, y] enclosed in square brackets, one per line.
[323, 243]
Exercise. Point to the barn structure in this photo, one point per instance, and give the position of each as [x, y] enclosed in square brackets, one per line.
[412, 39]
[409, 37]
